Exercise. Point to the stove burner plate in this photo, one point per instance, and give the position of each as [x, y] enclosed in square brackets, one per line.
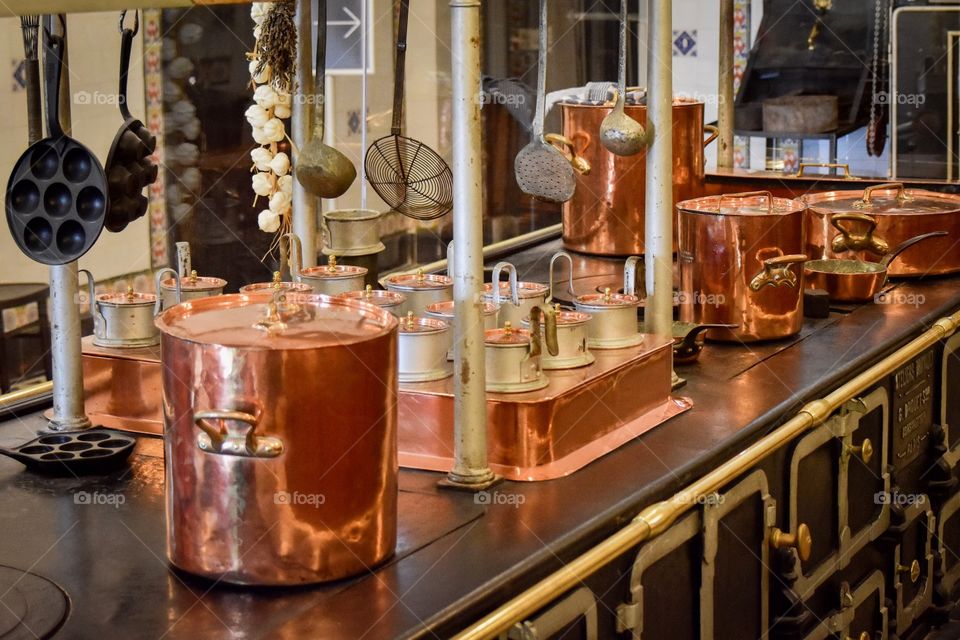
[30, 606]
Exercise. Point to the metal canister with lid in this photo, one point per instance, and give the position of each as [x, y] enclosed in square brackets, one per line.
[275, 473]
[513, 298]
[512, 356]
[276, 283]
[122, 320]
[613, 323]
[332, 279]
[423, 345]
[389, 300]
[421, 290]
[174, 290]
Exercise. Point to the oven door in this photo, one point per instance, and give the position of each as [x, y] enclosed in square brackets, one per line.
[910, 558]
[861, 612]
[948, 533]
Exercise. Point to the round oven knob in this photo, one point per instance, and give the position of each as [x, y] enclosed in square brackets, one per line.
[913, 570]
[802, 541]
[864, 450]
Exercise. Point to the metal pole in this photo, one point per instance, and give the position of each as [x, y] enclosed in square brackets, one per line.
[65, 349]
[470, 467]
[363, 103]
[304, 222]
[725, 92]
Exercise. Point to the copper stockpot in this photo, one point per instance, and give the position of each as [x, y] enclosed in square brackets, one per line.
[741, 263]
[893, 215]
[280, 437]
[606, 214]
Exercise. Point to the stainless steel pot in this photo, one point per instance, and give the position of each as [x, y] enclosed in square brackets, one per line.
[613, 323]
[514, 299]
[331, 279]
[512, 356]
[423, 345]
[392, 301]
[351, 232]
[280, 437]
[275, 284]
[122, 320]
[421, 290]
[444, 311]
[572, 342]
[174, 290]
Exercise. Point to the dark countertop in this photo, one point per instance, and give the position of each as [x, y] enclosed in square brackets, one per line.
[456, 558]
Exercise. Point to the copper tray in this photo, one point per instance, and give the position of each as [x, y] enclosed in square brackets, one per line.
[580, 416]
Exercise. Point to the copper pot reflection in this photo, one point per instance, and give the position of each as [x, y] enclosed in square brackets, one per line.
[741, 263]
[606, 214]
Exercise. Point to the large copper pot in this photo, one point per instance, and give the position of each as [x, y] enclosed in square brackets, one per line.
[280, 437]
[606, 214]
[865, 224]
[741, 264]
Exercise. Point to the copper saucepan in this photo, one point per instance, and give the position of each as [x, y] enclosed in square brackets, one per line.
[856, 280]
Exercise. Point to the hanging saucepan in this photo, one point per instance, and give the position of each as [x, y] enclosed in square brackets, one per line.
[856, 280]
[56, 197]
[129, 168]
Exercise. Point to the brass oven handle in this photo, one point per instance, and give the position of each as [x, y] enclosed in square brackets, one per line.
[747, 194]
[776, 272]
[802, 541]
[864, 450]
[913, 570]
[850, 241]
[714, 131]
[864, 200]
[564, 143]
[237, 437]
[826, 165]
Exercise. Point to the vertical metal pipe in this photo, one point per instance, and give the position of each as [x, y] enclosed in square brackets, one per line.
[658, 227]
[725, 95]
[470, 402]
[65, 349]
[363, 102]
[304, 222]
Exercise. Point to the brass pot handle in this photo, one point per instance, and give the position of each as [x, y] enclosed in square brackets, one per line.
[747, 194]
[565, 145]
[848, 240]
[713, 130]
[549, 317]
[236, 437]
[865, 202]
[802, 541]
[826, 165]
[777, 273]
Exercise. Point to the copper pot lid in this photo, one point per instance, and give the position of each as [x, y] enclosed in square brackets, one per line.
[333, 271]
[193, 282]
[418, 281]
[417, 325]
[506, 336]
[524, 289]
[752, 203]
[445, 308]
[275, 284]
[607, 300]
[274, 322]
[129, 298]
[379, 297]
[890, 199]
[565, 318]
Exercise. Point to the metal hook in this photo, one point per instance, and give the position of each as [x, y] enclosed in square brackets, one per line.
[48, 26]
[136, 21]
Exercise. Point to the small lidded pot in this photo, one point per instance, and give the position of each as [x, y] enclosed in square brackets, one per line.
[122, 320]
[421, 289]
[389, 300]
[422, 346]
[333, 279]
[512, 356]
[444, 311]
[614, 315]
[521, 297]
[175, 289]
[277, 283]
[572, 342]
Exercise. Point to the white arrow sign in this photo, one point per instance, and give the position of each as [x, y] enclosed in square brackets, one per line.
[353, 23]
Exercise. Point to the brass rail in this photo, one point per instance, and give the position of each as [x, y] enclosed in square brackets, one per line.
[656, 518]
[8, 400]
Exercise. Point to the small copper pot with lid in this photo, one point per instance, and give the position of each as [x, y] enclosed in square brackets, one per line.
[421, 290]
[865, 224]
[613, 323]
[174, 290]
[444, 311]
[122, 320]
[572, 343]
[512, 356]
[741, 263]
[330, 279]
[280, 437]
[513, 298]
[276, 283]
[389, 300]
[423, 345]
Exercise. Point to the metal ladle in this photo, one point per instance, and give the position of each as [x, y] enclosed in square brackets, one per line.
[321, 169]
[619, 133]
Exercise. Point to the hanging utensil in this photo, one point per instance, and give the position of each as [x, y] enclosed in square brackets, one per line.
[540, 168]
[321, 169]
[410, 176]
[56, 198]
[619, 133]
[30, 25]
[129, 168]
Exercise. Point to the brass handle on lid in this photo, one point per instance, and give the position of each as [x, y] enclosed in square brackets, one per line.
[802, 541]
[864, 450]
[826, 165]
[777, 273]
[864, 200]
[550, 321]
[913, 570]
[850, 240]
[747, 194]
[236, 436]
[579, 163]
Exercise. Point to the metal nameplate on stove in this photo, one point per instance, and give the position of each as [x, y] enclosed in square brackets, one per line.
[912, 387]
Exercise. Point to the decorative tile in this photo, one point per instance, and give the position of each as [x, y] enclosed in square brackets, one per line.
[741, 152]
[741, 40]
[685, 43]
[19, 73]
[153, 83]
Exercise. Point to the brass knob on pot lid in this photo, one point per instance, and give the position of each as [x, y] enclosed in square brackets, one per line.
[913, 570]
[864, 450]
[332, 263]
[409, 320]
[276, 277]
[802, 541]
[508, 328]
[368, 292]
[420, 276]
[193, 276]
[130, 295]
[606, 294]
